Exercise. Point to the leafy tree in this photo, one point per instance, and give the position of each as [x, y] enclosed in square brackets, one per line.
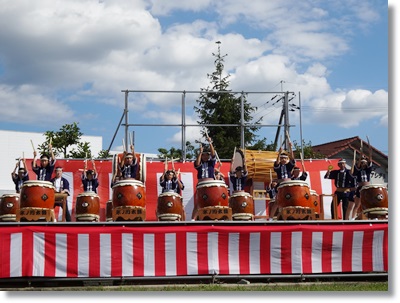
[177, 153]
[224, 107]
[104, 154]
[68, 135]
[308, 151]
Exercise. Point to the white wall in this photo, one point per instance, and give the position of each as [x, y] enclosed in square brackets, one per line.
[16, 144]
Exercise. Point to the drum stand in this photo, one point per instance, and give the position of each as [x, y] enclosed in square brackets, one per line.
[376, 213]
[35, 214]
[8, 218]
[296, 213]
[129, 213]
[61, 201]
[216, 213]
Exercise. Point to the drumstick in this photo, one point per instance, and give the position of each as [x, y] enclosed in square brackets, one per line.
[234, 152]
[33, 146]
[354, 162]
[123, 144]
[270, 177]
[50, 140]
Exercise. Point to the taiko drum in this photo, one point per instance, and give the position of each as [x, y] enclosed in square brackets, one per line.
[170, 203]
[129, 192]
[211, 193]
[373, 196]
[87, 203]
[36, 193]
[9, 206]
[109, 209]
[294, 193]
[315, 201]
[241, 202]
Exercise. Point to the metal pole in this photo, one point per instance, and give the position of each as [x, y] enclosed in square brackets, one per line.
[126, 121]
[242, 121]
[286, 107]
[183, 129]
[301, 129]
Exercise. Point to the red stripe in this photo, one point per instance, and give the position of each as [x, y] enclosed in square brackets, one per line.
[94, 255]
[159, 254]
[223, 253]
[72, 255]
[116, 254]
[265, 255]
[181, 256]
[367, 264]
[27, 253]
[244, 259]
[385, 249]
[5, 240]
[347, 251]
[326, 259]
[138, 254]
[202, 253]
[286, 252]
[50, 254]
[306, 249]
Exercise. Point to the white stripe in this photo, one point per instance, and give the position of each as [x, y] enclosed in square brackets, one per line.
[188, 194]
[61, 255]
[16, 255]
[297, 256]
[337, 246]
[83, 255]
[233, 253]
[357, 251]
[148, 255]
[326, 188]
[127, 255]
[105, 255]
[377, 252]
[191, 246]
[316, 252]
[38, 255]
[254, 253]
[170, 254]
[276, 253]
[212, 249]
[259, 205]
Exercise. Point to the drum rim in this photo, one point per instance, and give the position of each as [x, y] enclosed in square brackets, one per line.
[373, 186]
[87, 194]
[10, 195]
[169, 194]
[128, 182]
[38, 182]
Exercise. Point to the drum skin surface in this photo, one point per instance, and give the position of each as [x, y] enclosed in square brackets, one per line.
[294, 193]
[373, 196]
[129, 192]
[169, 203]
[87, 203]
[241, 202]
[9, 204]
[211, 193]
[39, 194]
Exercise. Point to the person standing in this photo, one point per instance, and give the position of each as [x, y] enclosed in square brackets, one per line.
[205, 162]
[129, 165]
[238, 176]
[297, 174]
[19, 175]
[61, 186]
[44, 171]
[344, 183]
[170, 182]
[89, 178]
[284, 164]
[272, 204]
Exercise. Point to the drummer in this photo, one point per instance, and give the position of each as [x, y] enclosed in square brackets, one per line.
[21, 176]
[170, 182]
[205, 162]
[61, 186]
[362, 173]
[89, 178]
[238, 177]
[129, 165]
[297, 174]
[284, 164]
[44, 171]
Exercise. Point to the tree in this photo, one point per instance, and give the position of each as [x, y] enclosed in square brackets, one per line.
[219, 106]
[68, 135]
[174, 153]
[104, 154]
[307, 151]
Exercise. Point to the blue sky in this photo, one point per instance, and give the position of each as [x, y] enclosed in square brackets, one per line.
[67, 61]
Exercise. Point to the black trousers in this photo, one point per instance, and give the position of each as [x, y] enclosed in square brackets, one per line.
[341, 198]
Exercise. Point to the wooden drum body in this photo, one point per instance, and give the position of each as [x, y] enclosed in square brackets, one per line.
[37, 200]
[242, 205]
[170, 207]
[87, 207]
[9, 206]
[374, 200]
[294, 200]
[109, 209]
[129, 201]
[316, 202]
[212, 200]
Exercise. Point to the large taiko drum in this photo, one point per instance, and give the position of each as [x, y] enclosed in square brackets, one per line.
[87, 207]
[38, 194]
[242, 205]
[128, 192]
[9, 206]
[316, 203]
[170, 207]
[374, 196]
[211, 193]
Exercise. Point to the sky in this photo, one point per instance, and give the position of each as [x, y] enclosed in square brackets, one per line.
[70, 61]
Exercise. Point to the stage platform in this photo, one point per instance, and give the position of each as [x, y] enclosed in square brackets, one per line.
[118, 250]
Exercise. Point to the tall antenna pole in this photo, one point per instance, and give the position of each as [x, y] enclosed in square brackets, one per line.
[286, 111]
[126, 118]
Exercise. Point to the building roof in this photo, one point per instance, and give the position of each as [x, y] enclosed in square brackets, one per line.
[346, 148]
